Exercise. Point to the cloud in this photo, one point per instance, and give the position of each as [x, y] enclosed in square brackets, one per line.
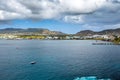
[107, 12]
[5, 15]
[74, 19]
[46, 9]
[75, 11]
[41, 9]
[81, 6]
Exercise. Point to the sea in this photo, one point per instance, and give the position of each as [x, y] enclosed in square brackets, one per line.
[58, 60]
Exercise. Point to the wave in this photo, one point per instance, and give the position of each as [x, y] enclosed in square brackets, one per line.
[89, 78]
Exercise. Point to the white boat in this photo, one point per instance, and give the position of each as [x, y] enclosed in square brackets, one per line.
[33, 62]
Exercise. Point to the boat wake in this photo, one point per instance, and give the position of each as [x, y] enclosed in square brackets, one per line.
[89, 78]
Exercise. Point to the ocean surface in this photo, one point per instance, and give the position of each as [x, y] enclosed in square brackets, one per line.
[57, 60]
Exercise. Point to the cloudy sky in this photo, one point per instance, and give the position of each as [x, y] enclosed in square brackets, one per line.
[68, 16]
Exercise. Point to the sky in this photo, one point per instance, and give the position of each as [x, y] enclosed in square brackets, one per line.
[68, 16]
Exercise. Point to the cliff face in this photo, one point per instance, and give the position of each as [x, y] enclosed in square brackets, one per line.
[108, 31]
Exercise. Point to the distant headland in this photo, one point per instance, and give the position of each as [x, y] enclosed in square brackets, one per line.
[41, 33]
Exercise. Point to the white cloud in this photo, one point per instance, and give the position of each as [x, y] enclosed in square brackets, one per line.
[74, 19]
[81, 6]
[4, 15]
[46, 9]
[41, 9]
[13, 6]
[77, 11]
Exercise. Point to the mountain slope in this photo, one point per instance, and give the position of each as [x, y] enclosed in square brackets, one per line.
[107, 31]
[30, 31]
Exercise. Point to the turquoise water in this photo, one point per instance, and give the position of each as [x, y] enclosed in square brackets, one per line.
[57, 60]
